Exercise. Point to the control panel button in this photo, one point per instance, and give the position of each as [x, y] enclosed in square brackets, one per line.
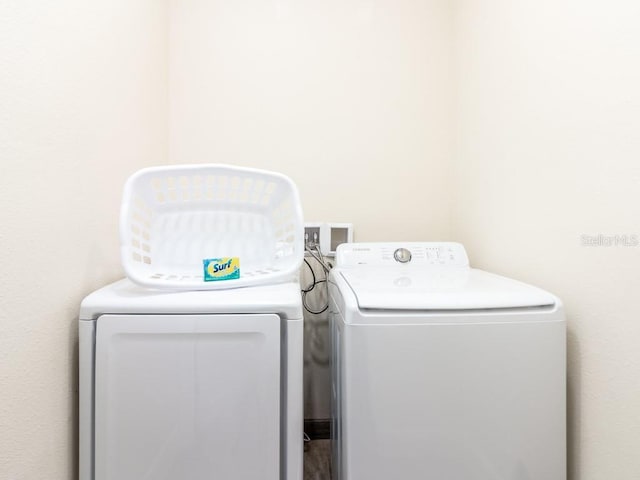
[402, 255]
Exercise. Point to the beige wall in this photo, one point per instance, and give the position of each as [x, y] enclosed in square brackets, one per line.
[351, 99]
[82, 105]
[548, 144]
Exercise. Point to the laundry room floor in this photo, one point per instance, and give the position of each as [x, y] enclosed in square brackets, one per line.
[317, 460]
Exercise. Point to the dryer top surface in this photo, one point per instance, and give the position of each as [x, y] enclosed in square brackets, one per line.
[125, 297]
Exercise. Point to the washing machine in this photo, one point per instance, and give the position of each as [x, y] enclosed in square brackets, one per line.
[441, 371]
[191, 385]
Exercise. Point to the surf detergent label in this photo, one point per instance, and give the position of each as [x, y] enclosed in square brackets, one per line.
[215, 269]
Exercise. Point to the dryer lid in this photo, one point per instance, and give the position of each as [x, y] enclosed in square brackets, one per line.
[446, 288]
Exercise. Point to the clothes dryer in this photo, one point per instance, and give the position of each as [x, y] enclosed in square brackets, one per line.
[191, 385]
[443, 371]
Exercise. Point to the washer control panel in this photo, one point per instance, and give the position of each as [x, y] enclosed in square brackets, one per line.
[399, 253]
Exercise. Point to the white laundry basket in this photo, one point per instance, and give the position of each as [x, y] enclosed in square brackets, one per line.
[175, 218]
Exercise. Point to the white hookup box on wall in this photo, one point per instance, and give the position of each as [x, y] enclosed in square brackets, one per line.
[327, 236]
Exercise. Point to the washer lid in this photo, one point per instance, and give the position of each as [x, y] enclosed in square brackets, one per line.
[446, 288]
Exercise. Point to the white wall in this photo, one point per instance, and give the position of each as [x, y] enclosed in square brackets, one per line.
[83, 103]
[351, 99]
[548, 144]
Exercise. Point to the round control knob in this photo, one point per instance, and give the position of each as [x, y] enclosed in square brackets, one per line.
[402, 255]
